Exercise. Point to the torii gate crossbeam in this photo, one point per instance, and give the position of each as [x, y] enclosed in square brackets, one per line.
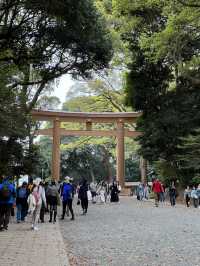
[119, 119]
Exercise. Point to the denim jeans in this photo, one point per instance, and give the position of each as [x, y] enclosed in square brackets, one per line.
[173, 200]
[21, 212]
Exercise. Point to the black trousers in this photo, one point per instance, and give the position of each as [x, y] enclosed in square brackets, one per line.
[5, 211]
[42, 212]
[187, 201]
[69, 204]
[84, 204]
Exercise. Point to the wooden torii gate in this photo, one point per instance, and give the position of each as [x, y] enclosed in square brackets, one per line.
[119, 119]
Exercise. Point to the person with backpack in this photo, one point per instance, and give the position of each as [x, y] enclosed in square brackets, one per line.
[54, 200]
[21, 202]
[7, 198]
[67, 191]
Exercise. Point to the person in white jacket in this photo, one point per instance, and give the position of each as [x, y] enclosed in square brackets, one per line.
[35, 202]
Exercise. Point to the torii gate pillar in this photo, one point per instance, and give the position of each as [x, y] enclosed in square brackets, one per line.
[120, 153]
[56, 150]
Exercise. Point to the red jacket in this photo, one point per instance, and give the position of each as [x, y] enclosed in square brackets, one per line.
[157, 186]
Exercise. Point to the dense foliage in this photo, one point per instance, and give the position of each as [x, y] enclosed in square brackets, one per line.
[163, 79]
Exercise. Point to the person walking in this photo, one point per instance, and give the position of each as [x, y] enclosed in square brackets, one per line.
[114, 192]
[187, 195]
[146, 191]
[7, 198]
[35, 200]
[21, 202]
[93, 189]
[67, 197]
[102, 192]
[198, 195]
[156, 188]
[162, 193]
[83, 196]
[194, 197]
[172, 194]
[53, 198]
[44, 203]
[140, 191]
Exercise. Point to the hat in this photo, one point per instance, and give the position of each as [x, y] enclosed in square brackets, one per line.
[67, 179]
[37, 181]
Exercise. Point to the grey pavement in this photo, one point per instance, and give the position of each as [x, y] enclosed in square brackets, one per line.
[133, 233]
[21, 246]
[122, 234]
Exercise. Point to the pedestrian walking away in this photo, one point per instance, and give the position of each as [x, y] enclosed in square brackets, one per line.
[67, 197]
[21, 202]
[7, 198]
[54, 200]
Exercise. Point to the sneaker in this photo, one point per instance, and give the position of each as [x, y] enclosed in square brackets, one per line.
[72, 219]
[35, 228]
[32, 226]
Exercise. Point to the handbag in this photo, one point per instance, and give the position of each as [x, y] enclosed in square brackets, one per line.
[58, 199]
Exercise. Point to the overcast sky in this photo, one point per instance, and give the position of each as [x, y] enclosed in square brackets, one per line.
[61, 90]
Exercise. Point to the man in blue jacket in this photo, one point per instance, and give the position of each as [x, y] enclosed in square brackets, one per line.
[7, 198]
[67, 197]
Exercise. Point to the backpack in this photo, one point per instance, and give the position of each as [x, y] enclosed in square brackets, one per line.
[22, 193]
[5, 193]
[67, 192]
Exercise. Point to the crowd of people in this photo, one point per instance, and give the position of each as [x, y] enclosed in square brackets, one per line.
[159, 192]
[37, 198]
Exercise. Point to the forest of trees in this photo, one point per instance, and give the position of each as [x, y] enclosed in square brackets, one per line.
[128, 55]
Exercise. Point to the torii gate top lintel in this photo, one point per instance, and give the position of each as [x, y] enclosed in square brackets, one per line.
[104, 117]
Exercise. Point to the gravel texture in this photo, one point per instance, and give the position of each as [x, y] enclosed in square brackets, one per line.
[133, 233]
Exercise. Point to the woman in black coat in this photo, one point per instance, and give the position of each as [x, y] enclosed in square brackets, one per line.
[82, 195]
[114, 193]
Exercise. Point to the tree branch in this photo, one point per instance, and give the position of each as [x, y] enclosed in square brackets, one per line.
[188, 4]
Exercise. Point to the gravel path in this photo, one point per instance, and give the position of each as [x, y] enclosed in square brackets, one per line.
[133, 233]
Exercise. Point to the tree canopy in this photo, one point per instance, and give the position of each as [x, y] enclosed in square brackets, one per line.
[39, 42]
[46, 39]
